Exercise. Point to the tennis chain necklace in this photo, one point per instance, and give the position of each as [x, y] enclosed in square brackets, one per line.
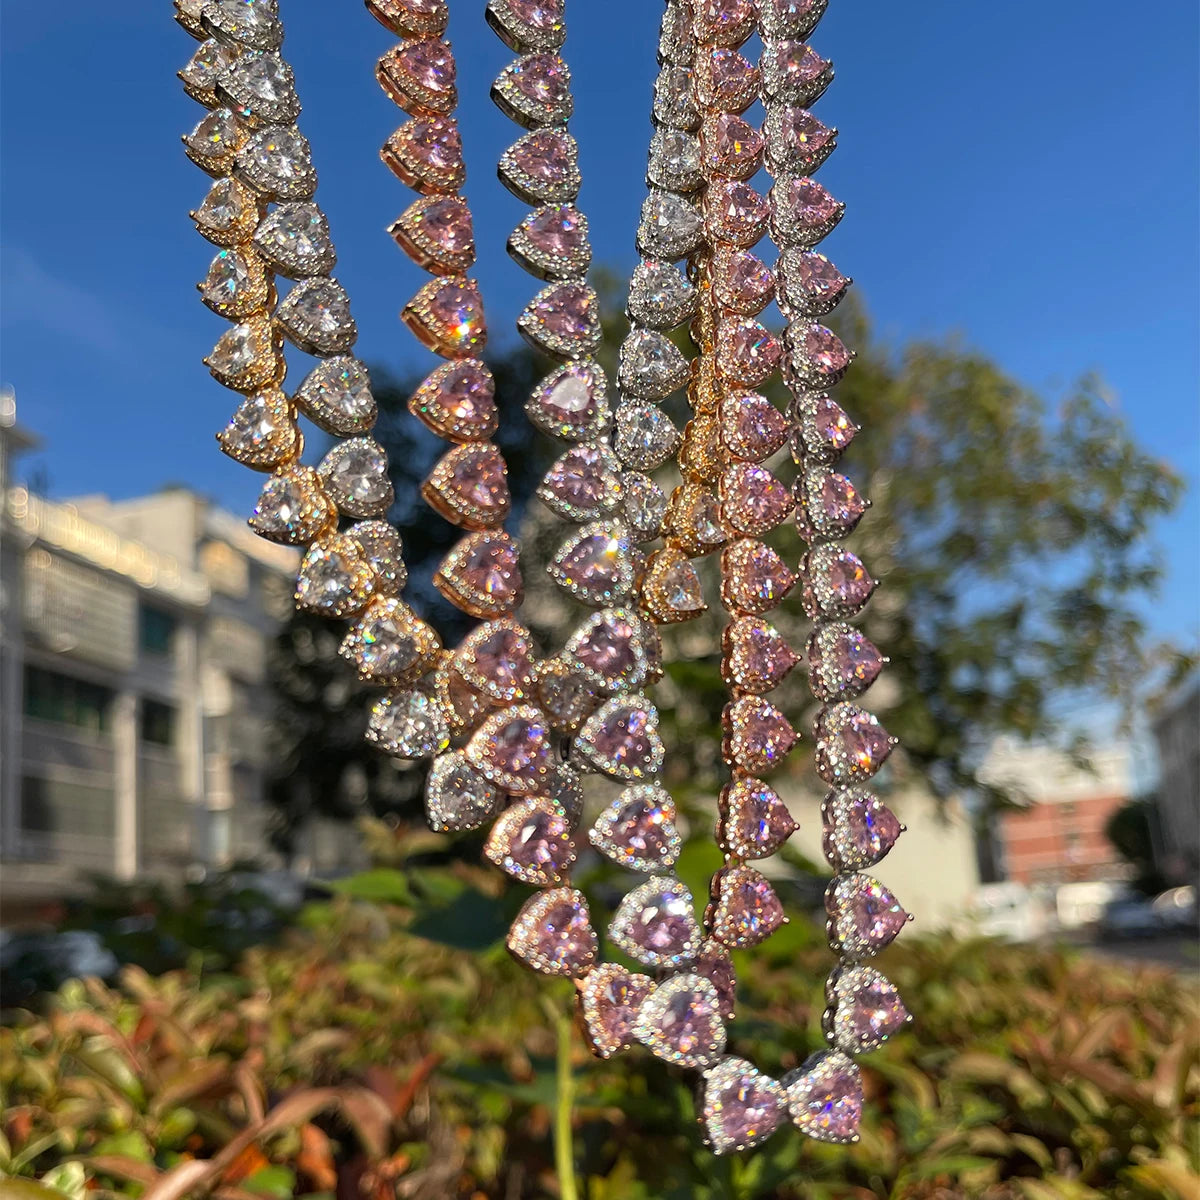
[509, 734]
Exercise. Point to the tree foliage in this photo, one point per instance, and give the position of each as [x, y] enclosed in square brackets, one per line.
[1014, 540]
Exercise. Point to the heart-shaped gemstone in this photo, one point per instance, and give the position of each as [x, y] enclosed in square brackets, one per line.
[335, 578]
[802, 211]
[276, 162]
[563, 320]
[836, 583]
[446, 315]
[816, 356]
[496, 659]
[741, 1106]
[736, 213]
[482, 574]
[646, 437]
[457, 797]
[851, 744]
[384, 551]
[248, 356]
[294, 239]
[535, 90]
[336, 396]
[645, 506]
[747, 352]
[754, 579]
[315, 316]
[262, 432]
[408, 725]
[659, 296]
[247, 24]
[553, 933]
[758, 737]
[528, 24]
[650, 366]
[671, 228]
[656, 924]
[292, 507]
[437, 233]
[532, 842]
[726, 81]
[609, 999]
[564, 693]
[828, 504]
[637, 830]
[419, 74]
[864, 1010]
[260, 86]
[426, 153]
[215, 141]
[571, 402]
[864, 915]
[859, 829]
[671, 589]
[595, 564]
[751, 426]
[791, 18]
[552, 242]
[724, 22]
[753, 500]
[457, 401]
[823, 429]
[583, 484]
[236, 285]
[621, 739]
[411, 18]
[754, 821]
[680, 1022]
[469, 486]
[825, 1097]
[746, 909]
[742, 282]
[694, 517]
[756, 656]
[513, 749]
[389, 643]
[199, 77]
[842, 662]
[731, 146]
[355, 474]
[608, 649]
[542, 167]
[809, 283]
[228, 214]
[797, 143]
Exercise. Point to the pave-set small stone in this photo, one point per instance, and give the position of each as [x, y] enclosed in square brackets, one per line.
[508, 734]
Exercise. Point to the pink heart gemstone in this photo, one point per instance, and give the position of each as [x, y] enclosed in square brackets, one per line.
[864, 915]
[752, 427]
[610, 997]
[725, 18]
[568, 311]
[809, 206]
[638, 829]
[581, 479]
[557, 231]
[435, 142]
[867, 1008]
[453, 317]
[541, 79]
[825, 1097]
[757, 658]
[747, 352]
[512, 748]
[803, 136]
[610, 647]
[595, 565]
[542, 15]
[553, 933]
[733, 78]
[731, 146]
[742, 1107]
[458, 401]
[680, 1021]
[532, 842]
[482, 573]
[427, 61]
[818, 352]
[845, 576]
[815, 276]
[621, 739]
[754, 578]
[738, 212]
[656, 925]
[859, 830]
[546, 155]
[842, 660]
[841, 504]
[753, 500]
[754, 821]
[742, 281]
[447, 224]
[832, 424]
[757, 735]
[571, 400]
[497, 659]
[473, 482]
[851, 744]
[747, 910]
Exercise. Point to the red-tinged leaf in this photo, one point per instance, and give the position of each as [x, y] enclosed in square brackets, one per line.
[122, 1166]
[180, 1181]
[315, 1159]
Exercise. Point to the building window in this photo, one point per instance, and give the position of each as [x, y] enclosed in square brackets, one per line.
[156, 630]
[50, 696]
[158, 723]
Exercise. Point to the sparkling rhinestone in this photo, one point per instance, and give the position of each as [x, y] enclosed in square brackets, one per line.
[646, 438]
[408, 725]
[355, 474]
[563, 319]
[335, 578]
[482, 574]
[674, 161]
[864, 915]
[825, 1097]
[595, 564]
[276, 162]
[746, 910]
[389, 643]
[316, 317]
[859, 829]
[670, 227]
[621, 739]
[637, 830]
[552, 242]
[535, 90]
[758, 736]
[836, 582]
[571, 402]
[292, 507]
[512, 748]
[650, 366]
[609, 1000]
[803, 212]
[754, 579]
[436, 232]
[469, 486]
[851, 744]
[797, 143]
[645, 505]
[583, 484]
[741, 1106]
[659, 296]
[457, 797]
[457, 401]
[754, 821]
[336, 395]
[756, 658]
[532, 842]
[294, 239]
[447, 316]
[542, 167]
[865, 1009]
[681, 1023]
[656, 924]
[553, 933]
[262, 86]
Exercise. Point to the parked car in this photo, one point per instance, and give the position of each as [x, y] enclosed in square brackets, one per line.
[1177, 910]
[1130, 917]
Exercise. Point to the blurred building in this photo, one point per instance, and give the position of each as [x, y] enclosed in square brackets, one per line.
[1058, 835]
[1177, 732]
[133, 645]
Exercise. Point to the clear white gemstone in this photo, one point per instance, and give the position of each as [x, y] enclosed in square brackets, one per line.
[670, 227]
[650, 366]
[263, 84]
[673, 102]
[383, 549]
[457, 797]
[355, 474]
[645, 506]
[674, 161]
[337, 395]
[203, 68]
[228, 276]
[659, 296]
[408, 725]
[215, 136]
[646, 438]
[316, 316]
[294, 238]
[277, 161]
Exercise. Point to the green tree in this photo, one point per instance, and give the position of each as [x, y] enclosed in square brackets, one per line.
[1014, 539]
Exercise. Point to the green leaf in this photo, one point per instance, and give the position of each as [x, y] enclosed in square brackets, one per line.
[381, 886]
[272, 1181]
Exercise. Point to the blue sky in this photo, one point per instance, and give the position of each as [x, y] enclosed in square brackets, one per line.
[1024, 175]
